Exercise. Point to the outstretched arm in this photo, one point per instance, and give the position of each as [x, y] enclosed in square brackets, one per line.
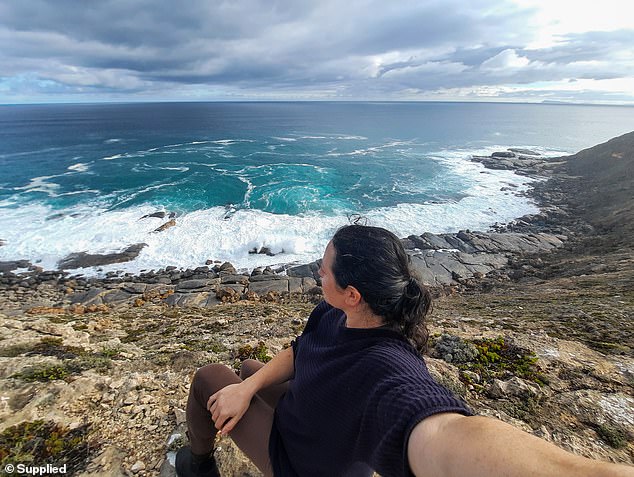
[446, 445]
[229, 404]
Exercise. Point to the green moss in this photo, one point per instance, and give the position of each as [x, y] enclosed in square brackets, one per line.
[258, 352]
[135, 334]
[52, 372]
[43, 373]
[499, 356]
[47, 346]
[204, 345]
[525, 410]
[613, 436]
[46, 442]
[109, 352]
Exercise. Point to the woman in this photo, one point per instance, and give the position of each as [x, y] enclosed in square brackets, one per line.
[353, 395]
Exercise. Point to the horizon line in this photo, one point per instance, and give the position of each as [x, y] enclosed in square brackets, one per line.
[175, 101]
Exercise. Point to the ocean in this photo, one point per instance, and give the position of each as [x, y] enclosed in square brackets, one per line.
[284, 176]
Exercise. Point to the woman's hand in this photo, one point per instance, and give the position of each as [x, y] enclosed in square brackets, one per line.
[228, 406]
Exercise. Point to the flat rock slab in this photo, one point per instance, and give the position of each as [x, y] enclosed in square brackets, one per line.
[83, 259]
[90, 297]
[188, 299]
[492, 242]
[437, 268]
[242, 279]
[116, 297]
[262, 288]
[197, 284]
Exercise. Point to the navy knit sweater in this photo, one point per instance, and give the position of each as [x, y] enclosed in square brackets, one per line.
[355, 398]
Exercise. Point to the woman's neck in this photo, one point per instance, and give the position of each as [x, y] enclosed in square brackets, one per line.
[362, 318]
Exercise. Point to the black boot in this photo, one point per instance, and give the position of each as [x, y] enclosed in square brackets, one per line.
[191, 465]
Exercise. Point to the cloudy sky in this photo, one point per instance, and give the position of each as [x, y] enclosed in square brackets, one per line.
[476, 50]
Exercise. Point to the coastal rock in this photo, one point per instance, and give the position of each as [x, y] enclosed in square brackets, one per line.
[197, 284]
[160, 215]
[187, 299]
[295, 285]
[231, 278]
[526, 152]
[83, 259]
[437, 268]
[227, 267]
[134, 287]
[515, 387]
[166, 225]
[9, 266]
[508, 160]
[89, 297]
[117, 297]
[264, 287]
[229, 294]
[308, 270]
[505, 154]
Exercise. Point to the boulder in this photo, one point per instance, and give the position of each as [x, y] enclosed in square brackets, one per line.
[308, 283]
[227, 267]
[514, 387]
[134, 287]
[308, 270]
[295, 285]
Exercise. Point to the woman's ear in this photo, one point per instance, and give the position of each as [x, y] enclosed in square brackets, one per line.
[352, 296]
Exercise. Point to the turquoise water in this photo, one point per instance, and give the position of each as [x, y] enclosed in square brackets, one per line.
[247, 175]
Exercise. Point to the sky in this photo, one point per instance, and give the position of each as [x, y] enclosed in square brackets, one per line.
[337, 50]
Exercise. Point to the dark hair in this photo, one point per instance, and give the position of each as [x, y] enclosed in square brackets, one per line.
[373, 260]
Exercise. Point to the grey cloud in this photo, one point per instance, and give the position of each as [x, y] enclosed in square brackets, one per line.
[358, 47]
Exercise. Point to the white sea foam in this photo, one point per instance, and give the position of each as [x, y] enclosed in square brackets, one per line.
[222, 234]
[180, 169]
[351, 138]
[79, 167]
[112, 141]
[40, 184]
[113, 157]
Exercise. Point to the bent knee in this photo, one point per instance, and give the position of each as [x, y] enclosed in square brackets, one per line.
[214, 377]
[249, 367]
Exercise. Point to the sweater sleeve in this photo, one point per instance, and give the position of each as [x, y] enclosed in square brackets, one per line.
[400, 402]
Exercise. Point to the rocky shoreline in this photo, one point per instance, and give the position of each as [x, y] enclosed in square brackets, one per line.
[445, 260]
[530, 326]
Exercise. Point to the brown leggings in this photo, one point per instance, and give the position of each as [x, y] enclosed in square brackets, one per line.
[251, 434]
